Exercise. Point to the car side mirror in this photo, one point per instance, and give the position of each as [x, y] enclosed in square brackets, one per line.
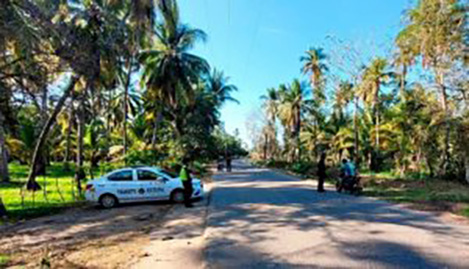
[162, 179]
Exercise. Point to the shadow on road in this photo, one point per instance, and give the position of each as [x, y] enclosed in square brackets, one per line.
[251, 201]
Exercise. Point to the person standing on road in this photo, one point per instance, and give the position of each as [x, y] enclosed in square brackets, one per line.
[186, 179]
[228, 163]
[322, 172]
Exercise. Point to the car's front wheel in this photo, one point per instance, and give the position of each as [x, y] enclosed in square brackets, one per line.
[177, 196]
[108, 201]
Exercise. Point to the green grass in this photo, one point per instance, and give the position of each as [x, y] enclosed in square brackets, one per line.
[432, 192]
[4, 259]
[58, 192]
[464, 212]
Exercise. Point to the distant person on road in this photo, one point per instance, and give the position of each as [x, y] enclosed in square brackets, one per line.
[220, 164]
[228, 163]
[322, 172]
[186, 179]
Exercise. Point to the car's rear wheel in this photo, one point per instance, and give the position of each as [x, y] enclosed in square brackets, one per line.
[177, 196]
[108, 201]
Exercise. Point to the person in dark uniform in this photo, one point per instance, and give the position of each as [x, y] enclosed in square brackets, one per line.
[228, 163]
[322, 172]
[186, 179]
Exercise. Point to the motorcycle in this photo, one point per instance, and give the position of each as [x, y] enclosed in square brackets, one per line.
[350, 184]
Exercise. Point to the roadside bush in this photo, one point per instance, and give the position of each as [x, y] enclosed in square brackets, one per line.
[303, 168]
[199, 169]
[144, 157]
[277, 164]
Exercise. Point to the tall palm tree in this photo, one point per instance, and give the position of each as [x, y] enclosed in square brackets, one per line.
[170, 70]
[439, 44]
[142, 17]
[405, 57]
[314, 65]
[373, 77]
[293, 100]
[343, 96]
[218, 84]
[270, 105]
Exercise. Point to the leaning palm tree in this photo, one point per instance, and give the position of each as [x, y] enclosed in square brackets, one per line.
[169, 70]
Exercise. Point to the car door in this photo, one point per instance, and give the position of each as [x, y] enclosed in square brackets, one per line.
[151, 184]
[122, 184]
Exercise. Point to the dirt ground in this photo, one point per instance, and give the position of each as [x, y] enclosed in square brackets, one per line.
[83, 238]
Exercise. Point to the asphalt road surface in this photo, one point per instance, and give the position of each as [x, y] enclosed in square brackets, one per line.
[259, 218]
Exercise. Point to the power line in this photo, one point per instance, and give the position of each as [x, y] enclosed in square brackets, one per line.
[254, 38]
[207, 17]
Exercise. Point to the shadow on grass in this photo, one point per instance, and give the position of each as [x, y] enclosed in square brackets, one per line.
[11, 185]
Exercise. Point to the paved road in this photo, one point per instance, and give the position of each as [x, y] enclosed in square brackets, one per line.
[262, 219]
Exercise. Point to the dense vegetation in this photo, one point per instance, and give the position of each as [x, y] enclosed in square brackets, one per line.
[406, 112]
[94, 82]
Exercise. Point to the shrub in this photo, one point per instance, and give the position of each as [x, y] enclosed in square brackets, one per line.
[303, 168]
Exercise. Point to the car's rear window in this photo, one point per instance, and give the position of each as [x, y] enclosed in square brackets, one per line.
[171, 174]
[125, 175]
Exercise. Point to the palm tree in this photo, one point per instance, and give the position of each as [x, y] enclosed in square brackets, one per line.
[293, 100]
[270, 105]
[313, 64]
[405, 57]
[439, 44]
[218, 85]
[170, 71]
[343, 96]
[142, 16]
[373, 77]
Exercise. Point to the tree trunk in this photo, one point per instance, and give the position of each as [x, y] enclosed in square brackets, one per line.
[3, 210]
[126, 97]
[444, 104]
[158, 119]
[42, 162]
[32, 184]
[403, 82]
[79, 173]
[355, 130]
[298, 133]
[69, 134]
[4, 174]
[466, 164]
[376, 107]
[265, 147]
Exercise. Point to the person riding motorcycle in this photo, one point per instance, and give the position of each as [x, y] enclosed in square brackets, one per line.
[348, 173]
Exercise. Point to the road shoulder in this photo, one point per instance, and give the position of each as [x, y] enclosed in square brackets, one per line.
[179, 241]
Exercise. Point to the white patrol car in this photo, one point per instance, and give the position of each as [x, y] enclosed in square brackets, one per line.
[138, 184]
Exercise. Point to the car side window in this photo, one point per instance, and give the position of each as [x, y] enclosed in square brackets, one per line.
[125, 175]
[144, 175]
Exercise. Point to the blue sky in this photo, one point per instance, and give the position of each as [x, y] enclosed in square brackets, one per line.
[258, 43]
